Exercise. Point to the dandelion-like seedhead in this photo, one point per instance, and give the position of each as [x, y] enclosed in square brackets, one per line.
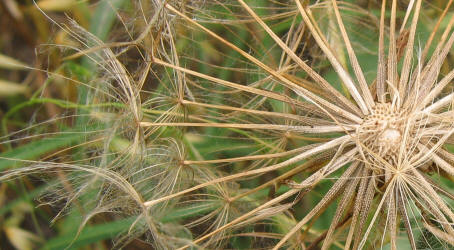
[245, 123]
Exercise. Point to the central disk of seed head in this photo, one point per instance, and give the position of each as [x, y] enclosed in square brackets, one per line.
[381, 134]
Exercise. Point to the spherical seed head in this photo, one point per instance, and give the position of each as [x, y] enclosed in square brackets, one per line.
[381, 133]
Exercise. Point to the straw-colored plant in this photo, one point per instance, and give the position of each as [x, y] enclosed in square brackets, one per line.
[282, 122]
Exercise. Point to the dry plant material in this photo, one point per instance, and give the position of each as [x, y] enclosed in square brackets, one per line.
[381, 141]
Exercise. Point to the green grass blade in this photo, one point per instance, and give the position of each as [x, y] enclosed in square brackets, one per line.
[35, 149]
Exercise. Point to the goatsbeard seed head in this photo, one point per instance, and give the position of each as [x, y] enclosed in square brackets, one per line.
[381, 133]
